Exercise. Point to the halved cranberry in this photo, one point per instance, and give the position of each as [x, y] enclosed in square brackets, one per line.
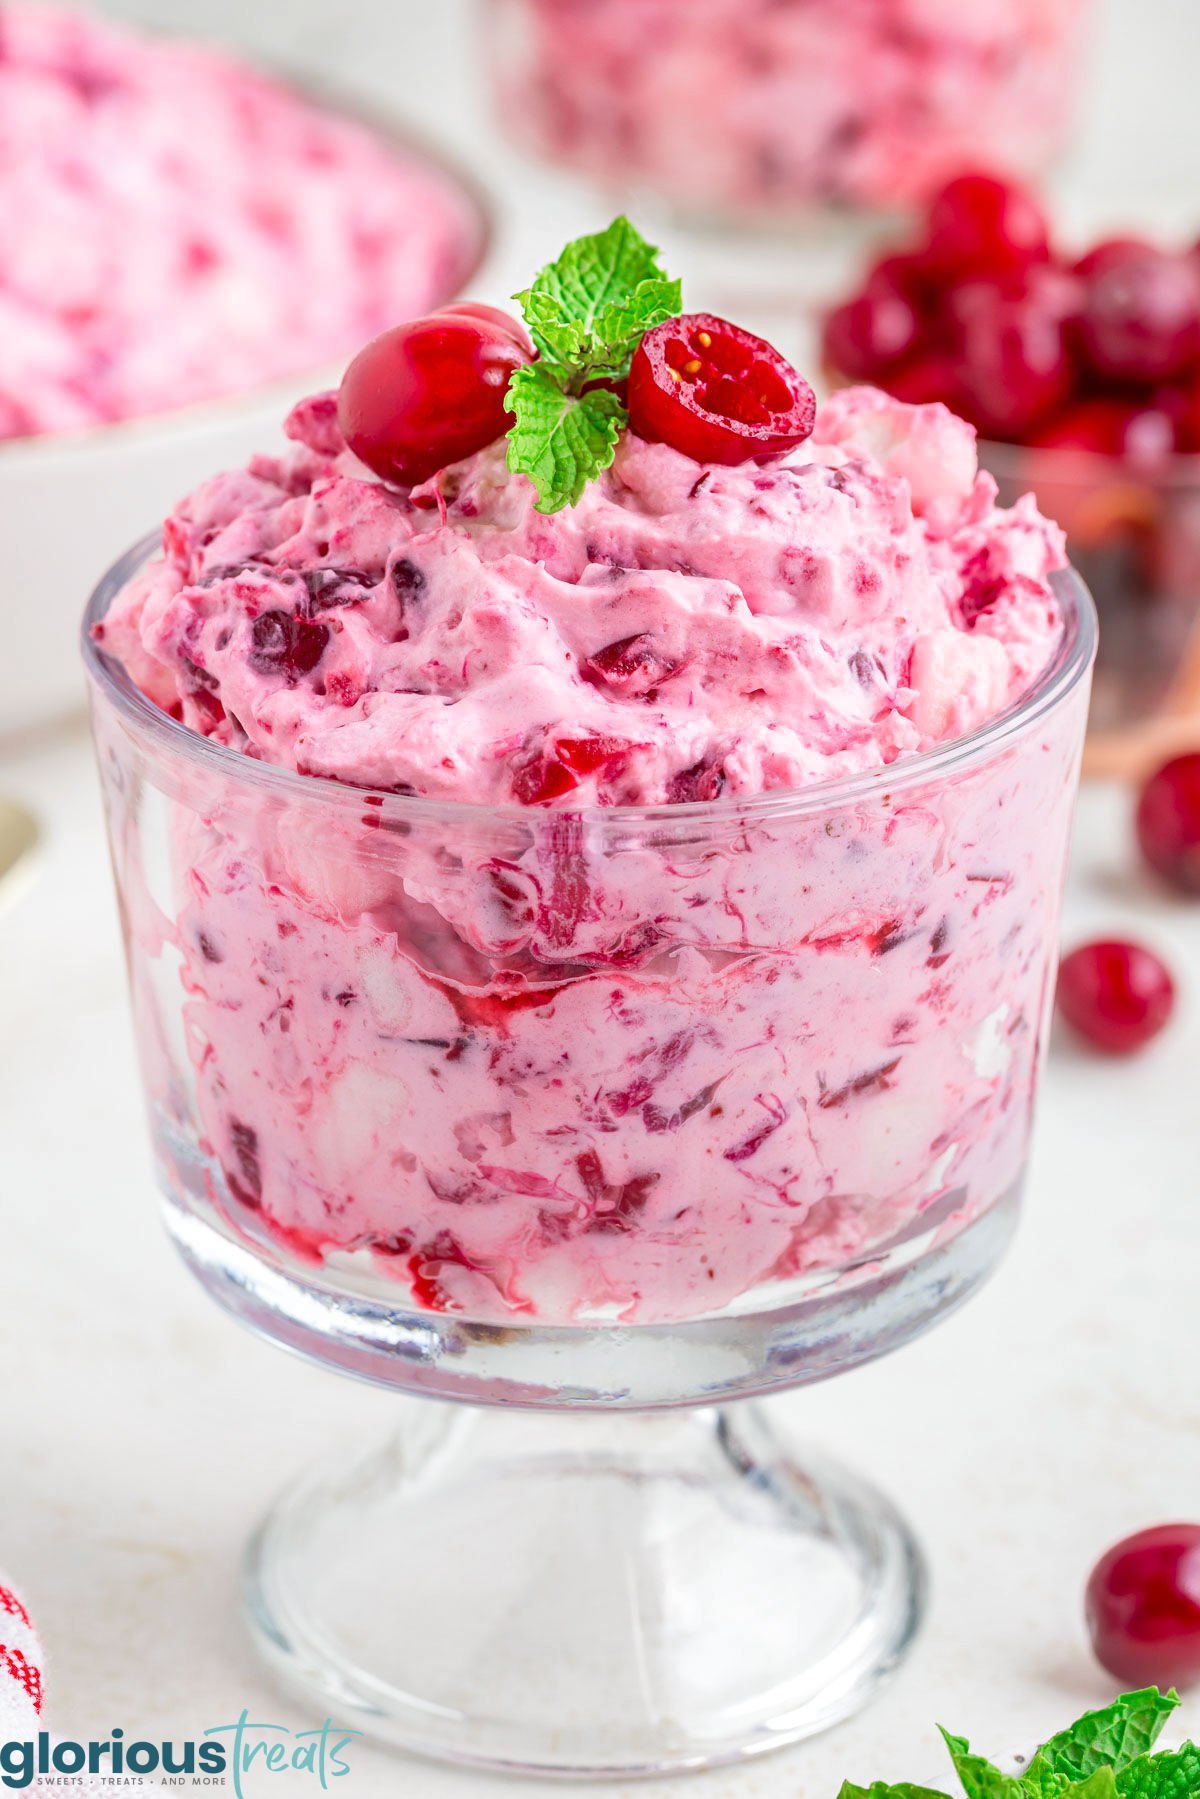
[1143, 1607]
[1116, 995]
[717, 393]
[1168, 822]
[1141, 315]
[428, 393]
[286, 645]
[979, 222]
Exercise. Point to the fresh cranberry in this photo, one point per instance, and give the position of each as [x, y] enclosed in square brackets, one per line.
[717, 393]
[1143, 1607]
[924, 378]
[868, 335]
[978, 222]
[1014, 363]
[1108, 251]
[1141, 315]
[1107, 427]
[1116, 995]
[1168, 822]
[286, 645]
[428, 393]
[492, 316]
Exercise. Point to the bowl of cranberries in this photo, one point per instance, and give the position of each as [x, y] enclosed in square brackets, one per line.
[1081, 373]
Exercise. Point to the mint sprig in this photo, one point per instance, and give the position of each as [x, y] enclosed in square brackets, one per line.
[586, 312]
[1105, 1754]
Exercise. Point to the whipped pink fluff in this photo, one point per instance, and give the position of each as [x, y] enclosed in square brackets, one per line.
[683, 632]
[721, 104]
[536, 1057]
[189, 228]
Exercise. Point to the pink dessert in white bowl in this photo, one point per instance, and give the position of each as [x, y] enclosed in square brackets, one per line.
[190, 228]
[729, 107]
[600, 998]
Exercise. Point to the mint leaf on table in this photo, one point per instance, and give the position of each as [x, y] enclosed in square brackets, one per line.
[1111, 1738]
[980, 1779]
[880, 1789]
[559, 442]
[587, 312]
[1172, 1774]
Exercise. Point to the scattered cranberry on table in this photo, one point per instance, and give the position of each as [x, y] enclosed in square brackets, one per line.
[429, 392]
[1099, 351]
[1168, 822]
[716, 392]
[1115, 995]
[1143, 1607]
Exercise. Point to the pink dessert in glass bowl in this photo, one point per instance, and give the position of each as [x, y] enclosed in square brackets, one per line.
[191, 228]
[638, 942]
[729, 108]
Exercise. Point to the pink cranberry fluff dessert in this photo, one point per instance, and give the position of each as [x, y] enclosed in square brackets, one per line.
[577, 983]
[736, 106]
[190, 228]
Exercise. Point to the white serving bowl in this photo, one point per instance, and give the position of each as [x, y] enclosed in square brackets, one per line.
[70, 502]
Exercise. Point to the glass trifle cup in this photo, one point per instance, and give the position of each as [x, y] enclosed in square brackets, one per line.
[590, 1115]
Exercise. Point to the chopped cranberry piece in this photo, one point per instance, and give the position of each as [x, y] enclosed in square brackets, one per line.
[615, 1204]
[716, 392]
[1116, 995]
[428, 393]
[286, 645]
[558, 766]
[1168, 822]
[978, 222]
[1143, 1607]
[702, 781]
[1141, 315]
[634, 665]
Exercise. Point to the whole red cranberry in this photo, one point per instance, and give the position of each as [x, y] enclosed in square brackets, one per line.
[1116, 995]
[1014, 362]
[981, 223]
[1168, 822]
[1143, 1607]
[1139, 432]
[430, 392]
[869, 334]
[924, 378]
[1140, 318]
[1108, 251]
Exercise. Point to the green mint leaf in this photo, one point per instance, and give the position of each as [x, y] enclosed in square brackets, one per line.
[560, 442]
[559, 339]
[1102, 1784]
[980, 1779]
[596, 272]
[1111, 1738]
[880, 1789]
[1042, 1782]
[1172, 1774]
[622, 324]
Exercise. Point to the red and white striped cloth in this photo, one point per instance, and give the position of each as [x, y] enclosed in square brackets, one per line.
[22, 1691]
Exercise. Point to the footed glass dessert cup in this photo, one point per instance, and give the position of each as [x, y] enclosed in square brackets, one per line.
[596, 1121]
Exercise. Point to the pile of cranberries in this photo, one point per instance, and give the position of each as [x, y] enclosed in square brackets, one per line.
[1098, 352]
[432, 391]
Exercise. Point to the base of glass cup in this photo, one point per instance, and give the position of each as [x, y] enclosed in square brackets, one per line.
[789, 1335]
[601, 1595]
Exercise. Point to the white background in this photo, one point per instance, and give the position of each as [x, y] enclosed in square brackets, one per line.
[141, 1433]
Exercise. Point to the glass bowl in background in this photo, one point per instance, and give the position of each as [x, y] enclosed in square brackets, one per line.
[1133, 532]
[587, 1114]
[740, 112]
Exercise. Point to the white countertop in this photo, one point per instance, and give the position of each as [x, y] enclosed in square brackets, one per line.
[141, 1433]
